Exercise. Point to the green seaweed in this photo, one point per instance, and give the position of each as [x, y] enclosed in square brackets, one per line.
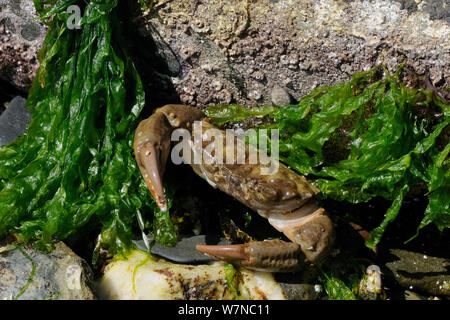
[232, 277]
[140, 264]
[33, 269]
[74, 171]
[337, 289]
[30, 278]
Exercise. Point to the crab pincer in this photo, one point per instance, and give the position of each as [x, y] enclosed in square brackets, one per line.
[311, 236]
[152, 145]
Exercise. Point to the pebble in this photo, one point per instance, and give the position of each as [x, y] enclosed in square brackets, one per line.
[280, 97]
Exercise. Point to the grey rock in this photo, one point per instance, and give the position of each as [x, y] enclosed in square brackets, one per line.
[422, 273]
[184, 251]
[300, 291]
[438, 9]
[409, 5]
[13, 121]
[21, 37]
[330, 41]
[300, 285]
[58, 275]
[280, 97]
[30, 31]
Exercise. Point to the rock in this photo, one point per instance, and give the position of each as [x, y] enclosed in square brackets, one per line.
[296, 45]
[21, 37]
[59, 275]
[299, 286]
[301, 291]
[156, 279]
[184, 250]
[13, 121]
[419, 272]
[146, 277]
[409, 295]
[280, 97]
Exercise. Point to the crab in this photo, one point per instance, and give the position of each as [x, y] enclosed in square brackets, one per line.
[283, 197]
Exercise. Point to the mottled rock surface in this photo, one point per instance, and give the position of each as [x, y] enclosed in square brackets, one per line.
[147, 277]
[238, 51]
[21, 36]
[419, 272]
[59, 275]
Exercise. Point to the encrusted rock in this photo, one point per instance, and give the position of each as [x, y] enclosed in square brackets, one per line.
[27, 274]
[147, 277]
[21, 37]
[250, 44]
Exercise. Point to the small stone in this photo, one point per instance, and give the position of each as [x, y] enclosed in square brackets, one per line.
[305, 65]
[298, 286]
[284, 60]
[258, 75]
[293, 59]
[255, 95]
[144, 277]
[287, 81]
[280, 97]
[208, 68]
[30, 31]
[224, 96]
[217, 85]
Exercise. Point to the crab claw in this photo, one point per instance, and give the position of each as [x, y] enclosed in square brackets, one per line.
[152, 144]
[309, 229]
[269, 255]
[151, 164]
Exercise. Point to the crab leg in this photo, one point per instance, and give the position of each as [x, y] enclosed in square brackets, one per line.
[269, 255]
[309, 230]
